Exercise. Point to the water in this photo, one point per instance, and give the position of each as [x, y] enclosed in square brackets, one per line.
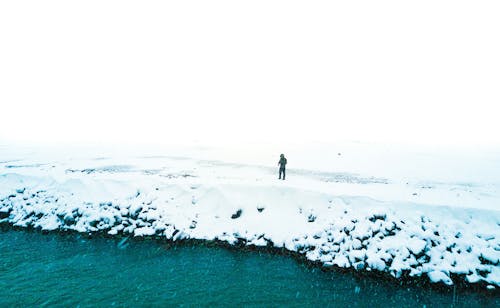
[55, 270]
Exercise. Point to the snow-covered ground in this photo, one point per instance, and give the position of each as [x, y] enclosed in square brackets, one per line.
[372, 207]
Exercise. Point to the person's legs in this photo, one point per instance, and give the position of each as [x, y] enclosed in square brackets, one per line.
[282, 171]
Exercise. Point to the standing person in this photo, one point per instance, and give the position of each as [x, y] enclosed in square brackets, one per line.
[282, 164]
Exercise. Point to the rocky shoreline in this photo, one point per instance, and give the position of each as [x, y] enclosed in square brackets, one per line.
[381, 244]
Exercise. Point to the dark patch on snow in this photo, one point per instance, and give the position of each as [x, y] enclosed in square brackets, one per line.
[237, 214]
[104, 169]
[175, 176]
[311, 218]
[24, 166]
[101, 158]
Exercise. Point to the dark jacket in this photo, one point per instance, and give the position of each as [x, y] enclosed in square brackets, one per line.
[282, 163]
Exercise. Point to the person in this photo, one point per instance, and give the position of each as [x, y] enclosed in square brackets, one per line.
[282, 164]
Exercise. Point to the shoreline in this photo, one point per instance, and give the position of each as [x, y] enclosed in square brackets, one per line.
[343, 245]
[410, 231]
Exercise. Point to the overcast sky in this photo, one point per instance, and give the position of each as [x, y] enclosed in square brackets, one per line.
[237, 71]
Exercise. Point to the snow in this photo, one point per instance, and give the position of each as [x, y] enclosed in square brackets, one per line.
[438, 276]
[368, 220]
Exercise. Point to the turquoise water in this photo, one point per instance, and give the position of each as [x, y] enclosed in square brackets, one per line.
[55, 270]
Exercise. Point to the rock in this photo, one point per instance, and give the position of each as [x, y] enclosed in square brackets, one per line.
[134, 212]
[416, 245]
[490, 257]
[317, 235]
[356, 244]
[260, 209]
[359, 266]
[237, 214]
[377, 217]
[5, 213]
[439, 276]
[141, 223]
[69, 220]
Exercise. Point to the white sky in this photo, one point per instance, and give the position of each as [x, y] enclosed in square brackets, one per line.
[236, 71]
